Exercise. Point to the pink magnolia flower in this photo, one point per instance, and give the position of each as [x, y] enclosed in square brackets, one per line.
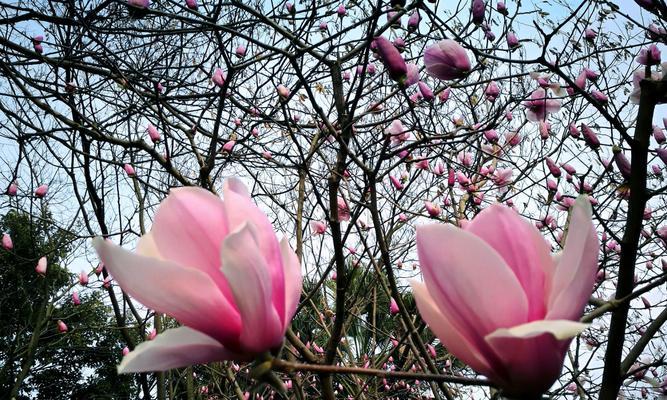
[318, 227]
[492, 91]
[499, 261]
[649, 55]
[343, 210]
[398, 133]
[412, 74]
[240, 51]
[41, 191]
[75, 299]
[538, 106]
[447, 60]
[191, 4]
[62, 327]
[590, 34]
[7, 243]
[217, 268]
[125, 351]
[503, 176]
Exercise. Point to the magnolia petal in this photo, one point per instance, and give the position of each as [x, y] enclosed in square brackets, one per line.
[248, 276]
[469, 280]
[293, 280]
[146, 247]
[560, 329]
[240, 209]
[189, 227]
[187, 294]
[453, 339]
[574, 275]
[175, 348]
[522, 247]
[532, 355]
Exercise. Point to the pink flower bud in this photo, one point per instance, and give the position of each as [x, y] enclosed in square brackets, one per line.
[413, 21]
[41, 266]
[658, 134]
[12, 189]
[393, 307]
[392, 59]
[62, 327]
[7, 243]
[622, 162]
[512, 40]
[341, 11]
[492, 91]
[229, 146]
[553, 168]
[41, 191]
[477, 11]
[283, 92]
[432, 209]
[129, 170]
[192, 4]
[426, 91]
[396, 183]
[240, 51]
[590, 137]
[125, 351]
[153, 133]
[83, 278]
[75, 299]
[218, 77]
[590, 34]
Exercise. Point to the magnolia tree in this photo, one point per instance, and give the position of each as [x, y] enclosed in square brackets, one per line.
[368, 200]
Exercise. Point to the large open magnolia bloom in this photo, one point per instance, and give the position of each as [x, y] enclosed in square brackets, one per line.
[499, 301]
[215, 266]
[539, 106]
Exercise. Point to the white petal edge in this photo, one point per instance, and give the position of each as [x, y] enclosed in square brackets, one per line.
[174, 348]
[560, 329]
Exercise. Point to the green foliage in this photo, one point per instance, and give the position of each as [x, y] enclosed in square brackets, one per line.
[78, 364]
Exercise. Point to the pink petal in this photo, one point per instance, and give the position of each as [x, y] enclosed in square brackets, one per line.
[293, 280]
[469, 281]
[187, 294]
[241, 209]
[175, 348]
[188, 229]
[522, 247]
[248, 275]
[571, 285]
[453, 339]
[532, 354]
